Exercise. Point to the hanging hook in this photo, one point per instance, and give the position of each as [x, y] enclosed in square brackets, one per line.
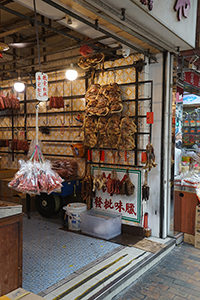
[96, 24]
[47, 121]
[123, 14]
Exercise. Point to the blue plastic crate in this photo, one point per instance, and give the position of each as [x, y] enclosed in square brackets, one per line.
[69, 187]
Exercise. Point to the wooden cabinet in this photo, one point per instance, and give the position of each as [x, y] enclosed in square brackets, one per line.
[184, 211]
[10, 253]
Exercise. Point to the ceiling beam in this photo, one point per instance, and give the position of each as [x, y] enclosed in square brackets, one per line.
[99, 28]
[32, 21]
[12, 31]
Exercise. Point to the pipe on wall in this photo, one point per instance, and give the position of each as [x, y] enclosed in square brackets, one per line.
[162, 162]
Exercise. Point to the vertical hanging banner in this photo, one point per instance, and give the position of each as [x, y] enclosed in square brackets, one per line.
[41, 86]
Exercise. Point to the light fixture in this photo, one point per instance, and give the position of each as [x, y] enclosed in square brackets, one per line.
[71, 74]
[19, 86]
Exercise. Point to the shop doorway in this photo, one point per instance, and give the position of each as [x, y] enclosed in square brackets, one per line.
[186, 159]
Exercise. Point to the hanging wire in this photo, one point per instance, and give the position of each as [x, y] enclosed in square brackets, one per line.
[38, 48]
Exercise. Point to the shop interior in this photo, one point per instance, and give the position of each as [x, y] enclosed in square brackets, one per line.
[186, 159]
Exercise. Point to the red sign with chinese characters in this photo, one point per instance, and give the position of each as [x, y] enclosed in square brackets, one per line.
[149, 117]
[183, 8]
[128, 206]
[192, 78]
[41, 86]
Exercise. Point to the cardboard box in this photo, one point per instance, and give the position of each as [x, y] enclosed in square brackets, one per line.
[197, 237]
[7, 173]
[5, 190]
[197, 216]
[21, 199]
[22, 294]
[188, 238]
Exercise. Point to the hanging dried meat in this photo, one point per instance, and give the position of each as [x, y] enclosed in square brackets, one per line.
[90, 140]
[99, 181]
[91, 99]
[103, 99]
[126, 142]
[112, 90]
[113, 130]
[65, 168]
[91, 124]
[87, 186]
[90, 109]
[9, 101]
[102, 107]
[56, 102]
[113, 183]
[85, 49]
[92, 92]
[15, 104]
[2, 106]
[116, 107]
[103, 140]
[150, 163]
[126, 186]
[113, 125]
[4, 143]
[110, 184]
[128, 127]
[90, 129]
[91, 60]
[20, 145]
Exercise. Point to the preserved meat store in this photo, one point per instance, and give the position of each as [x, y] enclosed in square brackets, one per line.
[98, 146]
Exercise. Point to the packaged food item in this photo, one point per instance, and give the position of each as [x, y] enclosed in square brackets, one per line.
[36, 176]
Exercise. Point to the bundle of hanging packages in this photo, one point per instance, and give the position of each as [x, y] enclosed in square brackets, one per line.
[36, 176]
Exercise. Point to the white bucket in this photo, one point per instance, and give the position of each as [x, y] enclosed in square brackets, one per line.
[74, 210]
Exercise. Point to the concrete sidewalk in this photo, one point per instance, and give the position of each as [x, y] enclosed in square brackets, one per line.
[177, 277]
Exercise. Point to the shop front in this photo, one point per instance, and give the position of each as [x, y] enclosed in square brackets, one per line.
[107, 133]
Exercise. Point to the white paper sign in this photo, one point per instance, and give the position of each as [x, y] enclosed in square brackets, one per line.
[41, 86]
[128, 206]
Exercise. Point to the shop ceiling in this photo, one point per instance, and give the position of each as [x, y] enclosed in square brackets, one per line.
[65, 25]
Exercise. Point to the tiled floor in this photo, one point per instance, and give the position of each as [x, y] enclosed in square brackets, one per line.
[59, 264]
[51, 254]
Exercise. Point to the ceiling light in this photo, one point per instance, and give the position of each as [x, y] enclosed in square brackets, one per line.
[19, 86]
[71, 74]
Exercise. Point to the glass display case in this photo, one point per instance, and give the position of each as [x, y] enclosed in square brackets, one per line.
[191, 127]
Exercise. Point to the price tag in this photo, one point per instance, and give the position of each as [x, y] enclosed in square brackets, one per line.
[41, 86]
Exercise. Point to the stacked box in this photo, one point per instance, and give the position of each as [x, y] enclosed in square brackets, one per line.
[10, 195]
[197, 227]
[5, 190]
[188, 238]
